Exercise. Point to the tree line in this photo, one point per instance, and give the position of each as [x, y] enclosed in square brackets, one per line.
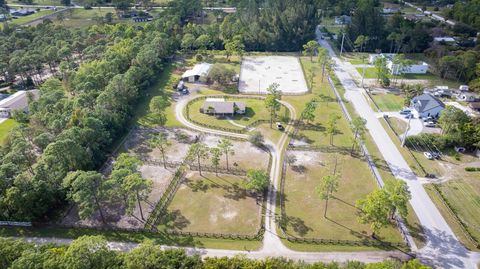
[92, 252]
[80, 112]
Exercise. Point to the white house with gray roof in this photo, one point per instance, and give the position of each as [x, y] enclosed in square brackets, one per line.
[427, 105]
[220, 107]
[17, 101]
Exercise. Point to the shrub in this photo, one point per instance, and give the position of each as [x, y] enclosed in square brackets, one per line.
[198, 57]
[472, 169]
[256, 138]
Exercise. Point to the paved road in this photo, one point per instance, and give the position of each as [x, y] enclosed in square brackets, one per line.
[443, 248]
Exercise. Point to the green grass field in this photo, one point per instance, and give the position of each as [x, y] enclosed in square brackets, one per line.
[305, 209]
[398, 125]
[38, 2]
[463, 194]
[214, 204]
[5, 128]
[355, 58]
[82, 18]
[388, 101]
[327, 106]
[27, 19]
[413, 224]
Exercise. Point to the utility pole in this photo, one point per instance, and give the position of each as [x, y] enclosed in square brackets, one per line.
[341, 47]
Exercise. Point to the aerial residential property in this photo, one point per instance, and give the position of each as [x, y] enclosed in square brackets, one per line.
[283, 134]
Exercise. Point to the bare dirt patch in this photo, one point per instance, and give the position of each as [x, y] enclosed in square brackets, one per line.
[115, 213]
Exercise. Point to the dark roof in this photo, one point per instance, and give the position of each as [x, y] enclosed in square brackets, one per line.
[426, 102]
[474, 105]
[223, 107]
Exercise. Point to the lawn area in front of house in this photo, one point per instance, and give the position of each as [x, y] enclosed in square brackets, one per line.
[389, 101]
[5, 128]
[214, 204]
[255, 110]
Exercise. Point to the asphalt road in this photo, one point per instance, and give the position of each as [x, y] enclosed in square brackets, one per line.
[443, 248]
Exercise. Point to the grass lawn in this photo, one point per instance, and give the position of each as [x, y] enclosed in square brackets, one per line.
[213, 204]
[138, 237]
[355, 58]
[327, 107]
[398, 125]
[27, 19]
[5, 128]
[38, 2]
[463, 194]
[255, 110]
[457, 229]
[389, 101]
[302, 201]
[413, 224]
[162, 88]
[82, 18]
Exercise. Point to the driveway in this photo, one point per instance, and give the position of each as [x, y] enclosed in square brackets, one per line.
[416, 124]
[443, 248]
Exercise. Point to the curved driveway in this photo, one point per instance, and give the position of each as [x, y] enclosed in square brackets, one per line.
[272, 245]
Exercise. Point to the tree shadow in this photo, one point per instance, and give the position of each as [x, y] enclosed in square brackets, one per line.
[175, 220]
[301, 169]
[345, 202]
[298, 225]
[197, 185]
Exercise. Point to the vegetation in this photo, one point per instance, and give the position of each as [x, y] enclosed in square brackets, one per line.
[457, 130]
[213, 204]
[93, 252]
[101, 81]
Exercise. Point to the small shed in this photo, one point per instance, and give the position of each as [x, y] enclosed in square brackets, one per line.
[198, 73]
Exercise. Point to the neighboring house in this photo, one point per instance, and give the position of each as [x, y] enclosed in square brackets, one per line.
[373, 57]
[21, 12]
[414, 68]
[427, 105]
[444, 39]
[342, 20]
[198, 73]
[390, 10]
[463, 88]
[468, 97]
[17, 101]
[220, 107]
[442, 91]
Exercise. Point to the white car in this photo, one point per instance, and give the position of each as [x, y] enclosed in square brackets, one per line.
[280, 126]
[428, 155]
[430, 124]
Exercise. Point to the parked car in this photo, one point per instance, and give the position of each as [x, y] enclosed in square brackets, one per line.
[280, 126]
[185, 91]
[430, 124]
[409, 116]
[435, 155]
[428, 155]
[428, 119]
[405, 112]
